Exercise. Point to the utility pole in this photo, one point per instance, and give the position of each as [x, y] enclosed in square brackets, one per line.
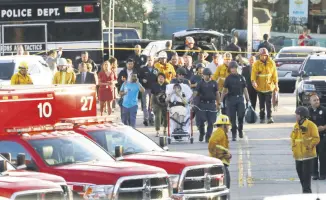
[249, 26]
[111, 28]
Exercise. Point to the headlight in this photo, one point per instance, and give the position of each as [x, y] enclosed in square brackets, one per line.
[308, 87]
[174, 180]
[98, 192]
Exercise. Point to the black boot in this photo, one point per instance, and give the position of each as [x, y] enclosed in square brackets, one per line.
[201, 137]
[240, 134]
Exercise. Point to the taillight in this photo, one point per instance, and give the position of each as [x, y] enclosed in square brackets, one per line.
[88, 8]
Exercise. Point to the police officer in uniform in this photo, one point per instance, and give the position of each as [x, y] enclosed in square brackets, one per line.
[318, 116]
[234, 87]
[304, 139]
[209, 104]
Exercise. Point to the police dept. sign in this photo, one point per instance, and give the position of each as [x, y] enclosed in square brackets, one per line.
[11, 48]
[29, 13]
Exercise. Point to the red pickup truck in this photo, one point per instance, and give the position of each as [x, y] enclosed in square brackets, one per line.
[19, 184]
[27, 129]
[192, 176]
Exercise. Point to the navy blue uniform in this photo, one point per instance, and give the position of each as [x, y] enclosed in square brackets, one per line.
[207, 92]
[318, 116]
[235, 83]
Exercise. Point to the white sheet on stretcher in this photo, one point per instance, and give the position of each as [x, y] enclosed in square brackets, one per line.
[186, 90]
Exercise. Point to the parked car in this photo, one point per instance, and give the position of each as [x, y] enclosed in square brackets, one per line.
[38, 69]
[204, 38]
[311, 79]
[288, 60]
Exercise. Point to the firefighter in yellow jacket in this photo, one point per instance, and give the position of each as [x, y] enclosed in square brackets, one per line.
[21, 77]
[265, 80]
[221, 73]
[166, 68]
[63, 76]
[304, 139]
[218, 145]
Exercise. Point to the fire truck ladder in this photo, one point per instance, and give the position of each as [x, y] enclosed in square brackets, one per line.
[111, 28]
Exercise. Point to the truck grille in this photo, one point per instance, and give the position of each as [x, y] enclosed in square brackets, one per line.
[147, 187]
[40, 195]
[202, 178]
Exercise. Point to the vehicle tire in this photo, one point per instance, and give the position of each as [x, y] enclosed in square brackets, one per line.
[191, 140]
[169, 140]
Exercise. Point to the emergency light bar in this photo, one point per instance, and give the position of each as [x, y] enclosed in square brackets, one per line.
[88, 120]
[55, 127]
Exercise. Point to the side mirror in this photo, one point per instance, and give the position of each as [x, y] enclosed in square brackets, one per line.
[7, 156]
[3, 166]
[21, 159]
[295, 74]
[118, 151]
[162, 141]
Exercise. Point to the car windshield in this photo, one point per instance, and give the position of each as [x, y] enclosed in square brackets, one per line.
[293, 54]
[315, 67]
[132, 141]
[121, 34]
[6, 70]
[68, 150]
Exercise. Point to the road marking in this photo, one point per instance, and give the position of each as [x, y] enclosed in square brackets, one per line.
[278, 179]
[240, 166]
[268, 139]
[249, 175]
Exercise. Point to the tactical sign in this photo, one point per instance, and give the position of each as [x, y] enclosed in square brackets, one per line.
[8, 48]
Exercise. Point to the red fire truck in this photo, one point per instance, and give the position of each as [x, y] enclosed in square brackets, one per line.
[27, 129]
[191, 176]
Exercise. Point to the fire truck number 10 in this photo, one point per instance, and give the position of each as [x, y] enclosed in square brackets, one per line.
[44, 110]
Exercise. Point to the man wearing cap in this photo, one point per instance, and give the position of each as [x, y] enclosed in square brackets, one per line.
[63, 76]
[318, 116]
[221, 73]
[304, 139]
[181, 77]
[164, 67]
[191, 49]
[21, 77]
[52, 59]
[201, 58]
[265, 80]
[235, 88]
[208, 106]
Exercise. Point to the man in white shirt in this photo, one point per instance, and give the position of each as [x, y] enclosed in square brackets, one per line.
[217, 61]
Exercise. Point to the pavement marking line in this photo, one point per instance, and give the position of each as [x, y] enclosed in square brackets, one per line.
[268, 139]
[249, 175]
[240, 166]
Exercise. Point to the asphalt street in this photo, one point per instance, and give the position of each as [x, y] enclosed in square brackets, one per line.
[262, 163]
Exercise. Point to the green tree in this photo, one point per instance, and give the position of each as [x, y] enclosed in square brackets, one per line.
[223, 15]
[126, 10]
[154, 20]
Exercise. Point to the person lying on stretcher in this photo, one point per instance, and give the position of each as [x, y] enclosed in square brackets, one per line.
[177, 102]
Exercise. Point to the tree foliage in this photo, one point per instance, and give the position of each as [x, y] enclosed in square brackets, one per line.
[223, 15]
[126, 10]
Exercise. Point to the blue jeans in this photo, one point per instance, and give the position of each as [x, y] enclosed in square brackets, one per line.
[129, 115]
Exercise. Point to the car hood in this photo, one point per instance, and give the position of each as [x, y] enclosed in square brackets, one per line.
[37, 175]
[4, 82]
[10, 185]
[103, 172]
[172, 162]
[317, 78]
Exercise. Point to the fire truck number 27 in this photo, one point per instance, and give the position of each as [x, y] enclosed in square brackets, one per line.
[45, 109]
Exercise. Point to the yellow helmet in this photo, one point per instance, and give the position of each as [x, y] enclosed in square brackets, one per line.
[23, 64]
[227, 55]
[222, 119]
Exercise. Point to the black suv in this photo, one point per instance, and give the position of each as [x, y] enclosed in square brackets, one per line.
[311, 79]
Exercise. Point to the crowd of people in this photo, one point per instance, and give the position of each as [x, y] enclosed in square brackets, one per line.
[221, 92]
